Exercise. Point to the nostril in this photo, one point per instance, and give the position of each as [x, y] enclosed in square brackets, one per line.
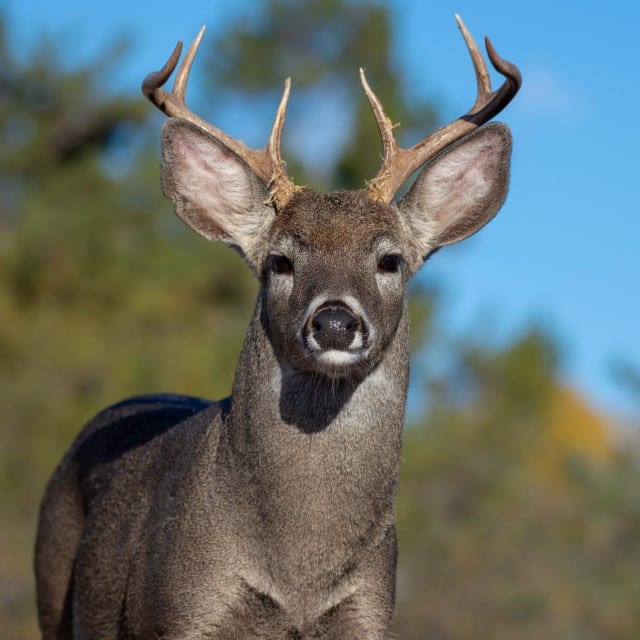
[335, 319]
[334, 327]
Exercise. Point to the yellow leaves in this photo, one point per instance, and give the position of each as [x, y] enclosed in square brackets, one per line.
[570, 428]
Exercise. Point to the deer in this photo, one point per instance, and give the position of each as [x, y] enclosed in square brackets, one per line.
[271, 513]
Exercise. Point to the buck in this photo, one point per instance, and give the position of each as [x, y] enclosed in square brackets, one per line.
[271, 514]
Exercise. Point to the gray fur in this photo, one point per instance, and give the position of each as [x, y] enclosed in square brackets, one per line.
[270, 514]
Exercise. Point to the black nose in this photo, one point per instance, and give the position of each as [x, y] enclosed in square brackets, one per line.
[334, 327]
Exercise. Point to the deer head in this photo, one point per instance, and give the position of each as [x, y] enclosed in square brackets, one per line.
[333, 267]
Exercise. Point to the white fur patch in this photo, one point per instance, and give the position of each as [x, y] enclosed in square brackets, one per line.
[339, 358]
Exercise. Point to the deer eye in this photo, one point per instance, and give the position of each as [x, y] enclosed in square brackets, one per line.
[390, 263]
[280, 264]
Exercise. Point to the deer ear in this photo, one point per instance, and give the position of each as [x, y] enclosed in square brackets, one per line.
[212, 189]
[460, 190]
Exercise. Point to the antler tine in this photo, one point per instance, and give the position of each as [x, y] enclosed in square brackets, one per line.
[182, 77]
[398, 163]
[482, 74]
[489, 103]
[385, 126]
[266, 163]
[502, 96]
[281, 187]
[152, 84]
[278, 123]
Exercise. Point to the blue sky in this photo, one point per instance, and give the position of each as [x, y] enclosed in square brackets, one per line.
[564, 249]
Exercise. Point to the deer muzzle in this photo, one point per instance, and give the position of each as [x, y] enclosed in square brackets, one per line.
[337, 334]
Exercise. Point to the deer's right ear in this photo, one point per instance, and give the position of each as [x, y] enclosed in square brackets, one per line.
[212, 189]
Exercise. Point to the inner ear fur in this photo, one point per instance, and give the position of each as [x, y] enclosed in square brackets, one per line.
[460, 190]
[212, 189]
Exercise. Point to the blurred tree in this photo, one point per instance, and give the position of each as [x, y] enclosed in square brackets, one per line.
[628, 376]
[572, 429]
[515, 510]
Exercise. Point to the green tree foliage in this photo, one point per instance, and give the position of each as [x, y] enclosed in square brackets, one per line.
[492, 544]
[103, 294]
[628, 376]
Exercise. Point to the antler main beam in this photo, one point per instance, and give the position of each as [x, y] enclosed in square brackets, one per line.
[398, 163]
[266, 163]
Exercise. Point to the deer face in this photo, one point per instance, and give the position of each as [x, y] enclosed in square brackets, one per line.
[333, 281]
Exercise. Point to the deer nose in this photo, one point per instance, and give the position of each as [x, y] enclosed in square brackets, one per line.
[334, 326]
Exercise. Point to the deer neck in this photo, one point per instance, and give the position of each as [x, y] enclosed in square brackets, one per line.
[315, 451]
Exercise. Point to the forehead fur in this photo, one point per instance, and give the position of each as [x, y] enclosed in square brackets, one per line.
[342, 218]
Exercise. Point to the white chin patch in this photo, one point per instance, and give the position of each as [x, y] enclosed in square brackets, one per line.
[354, 351]
[337, 358]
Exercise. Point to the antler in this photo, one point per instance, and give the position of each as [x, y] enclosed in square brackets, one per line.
[399, 164]
[266, 163]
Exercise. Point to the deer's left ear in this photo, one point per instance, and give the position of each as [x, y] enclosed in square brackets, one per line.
[460, 190]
